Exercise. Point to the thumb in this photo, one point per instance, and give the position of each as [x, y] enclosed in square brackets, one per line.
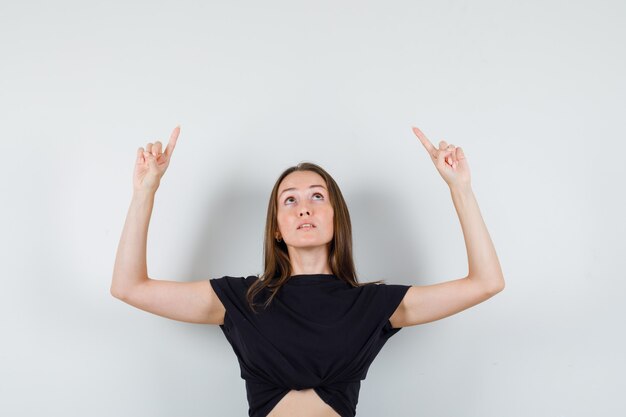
[460, 155]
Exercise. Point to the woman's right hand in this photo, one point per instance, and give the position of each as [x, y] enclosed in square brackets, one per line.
[151, 164]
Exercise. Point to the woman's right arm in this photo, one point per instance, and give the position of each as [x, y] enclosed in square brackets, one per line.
[193, 302]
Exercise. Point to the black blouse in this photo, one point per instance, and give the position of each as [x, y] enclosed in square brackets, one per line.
[318, 332]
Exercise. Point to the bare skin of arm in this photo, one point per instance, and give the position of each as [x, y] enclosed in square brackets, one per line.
[426, 303]
[193, 302]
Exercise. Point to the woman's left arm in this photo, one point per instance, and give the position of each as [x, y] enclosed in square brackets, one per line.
[484, 266]
[426, 303]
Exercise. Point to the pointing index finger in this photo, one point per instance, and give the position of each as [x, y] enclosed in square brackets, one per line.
[422, 137]
[172, 142]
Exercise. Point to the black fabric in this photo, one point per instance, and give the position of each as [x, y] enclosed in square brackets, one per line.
[318, 332]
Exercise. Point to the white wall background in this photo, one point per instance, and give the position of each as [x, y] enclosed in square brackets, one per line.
[533, 91]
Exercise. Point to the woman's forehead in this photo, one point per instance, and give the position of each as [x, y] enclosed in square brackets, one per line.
[301, 180]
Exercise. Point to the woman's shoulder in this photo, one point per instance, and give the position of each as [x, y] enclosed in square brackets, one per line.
[235, 281]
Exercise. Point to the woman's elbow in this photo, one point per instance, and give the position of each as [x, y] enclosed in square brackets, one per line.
[497, 287]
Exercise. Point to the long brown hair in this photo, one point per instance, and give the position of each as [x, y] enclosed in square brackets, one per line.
[277, 266]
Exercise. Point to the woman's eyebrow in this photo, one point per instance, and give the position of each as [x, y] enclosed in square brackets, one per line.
[293, 188]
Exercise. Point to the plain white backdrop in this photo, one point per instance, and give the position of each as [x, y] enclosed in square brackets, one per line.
[534, 92]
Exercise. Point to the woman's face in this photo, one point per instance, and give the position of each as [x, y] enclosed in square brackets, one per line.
[303, 197]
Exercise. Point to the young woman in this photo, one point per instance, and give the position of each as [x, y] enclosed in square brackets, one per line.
[305, 331]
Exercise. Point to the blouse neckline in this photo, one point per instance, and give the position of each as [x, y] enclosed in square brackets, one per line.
[303, 279]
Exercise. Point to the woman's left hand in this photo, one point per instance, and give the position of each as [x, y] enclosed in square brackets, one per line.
[449, 160]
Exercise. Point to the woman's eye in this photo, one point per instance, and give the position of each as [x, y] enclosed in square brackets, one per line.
[320, 194]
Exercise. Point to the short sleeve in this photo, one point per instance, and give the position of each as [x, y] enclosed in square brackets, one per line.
[232, 293]
[389, 298]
